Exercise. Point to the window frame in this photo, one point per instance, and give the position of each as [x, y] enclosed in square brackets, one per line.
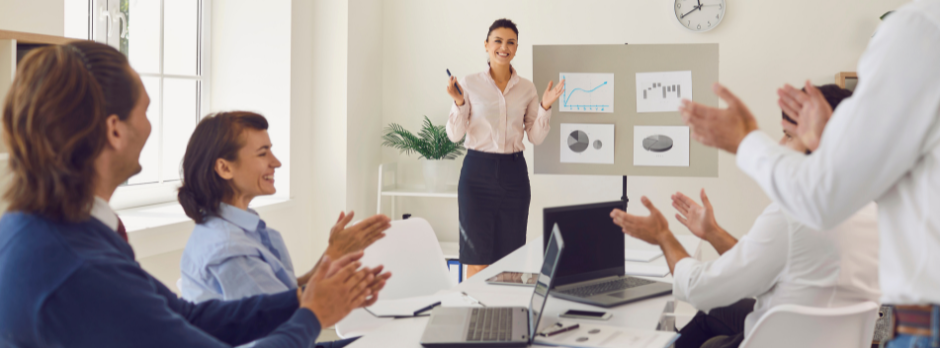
[163, 191]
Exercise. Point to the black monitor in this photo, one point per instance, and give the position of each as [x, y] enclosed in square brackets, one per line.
[594, 245]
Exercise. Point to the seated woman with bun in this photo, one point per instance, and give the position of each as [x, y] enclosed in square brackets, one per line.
[232, 253]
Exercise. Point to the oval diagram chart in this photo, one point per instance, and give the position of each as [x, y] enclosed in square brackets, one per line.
[657, 143]
[578, 141]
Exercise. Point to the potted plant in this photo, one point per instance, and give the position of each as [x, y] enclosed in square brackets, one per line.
[432, 144]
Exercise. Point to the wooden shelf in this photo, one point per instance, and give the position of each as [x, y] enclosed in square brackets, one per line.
[33, 39]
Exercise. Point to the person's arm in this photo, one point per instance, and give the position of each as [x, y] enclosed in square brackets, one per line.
[873, 139]
[243, 276]
[748, 269]
[459, 118]
[538, 114]
[653, 229]
[119, 305]
[700, 220]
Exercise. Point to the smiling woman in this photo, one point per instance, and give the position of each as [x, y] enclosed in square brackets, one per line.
[232, 253]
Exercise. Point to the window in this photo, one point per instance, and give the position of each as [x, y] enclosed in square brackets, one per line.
[166, 42]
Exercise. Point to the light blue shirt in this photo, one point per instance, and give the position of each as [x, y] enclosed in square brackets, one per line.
[235, 255]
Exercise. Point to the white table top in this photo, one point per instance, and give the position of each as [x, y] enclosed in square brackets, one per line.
[406, 333]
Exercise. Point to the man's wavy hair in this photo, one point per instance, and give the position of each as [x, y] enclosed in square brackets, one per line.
[54, 125]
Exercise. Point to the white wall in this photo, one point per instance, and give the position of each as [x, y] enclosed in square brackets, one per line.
[33, 16]
[251, 68]
[763, 45]
[363, 105]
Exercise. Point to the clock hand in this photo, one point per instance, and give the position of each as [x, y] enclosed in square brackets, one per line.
[693, 10]
[699, 4]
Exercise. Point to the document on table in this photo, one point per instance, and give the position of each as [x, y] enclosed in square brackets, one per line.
[406, 307]
[599, 336]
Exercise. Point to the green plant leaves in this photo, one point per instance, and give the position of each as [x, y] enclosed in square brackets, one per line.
[431, 142]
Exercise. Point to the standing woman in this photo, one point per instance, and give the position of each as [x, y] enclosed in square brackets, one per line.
[494, 108]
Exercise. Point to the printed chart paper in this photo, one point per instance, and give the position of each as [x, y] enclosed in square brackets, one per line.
[661, 146]
[587, 143]
[662, 91]
[587, 92]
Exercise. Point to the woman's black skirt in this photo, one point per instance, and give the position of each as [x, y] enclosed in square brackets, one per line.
[493, 196]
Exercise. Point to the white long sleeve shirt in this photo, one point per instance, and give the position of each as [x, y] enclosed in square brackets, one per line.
[882, 144]
[496, 121]
[781, 261]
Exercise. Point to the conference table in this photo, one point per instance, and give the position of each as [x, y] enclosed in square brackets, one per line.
[643, 314]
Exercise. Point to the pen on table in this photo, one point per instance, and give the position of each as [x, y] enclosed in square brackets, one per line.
[564, 329]
[435, 304]
[474, 300]
[455, 84]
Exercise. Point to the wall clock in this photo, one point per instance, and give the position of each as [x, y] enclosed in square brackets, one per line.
[699, 15]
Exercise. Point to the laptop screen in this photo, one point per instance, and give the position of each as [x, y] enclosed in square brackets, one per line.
[549, 265]
[595, 244]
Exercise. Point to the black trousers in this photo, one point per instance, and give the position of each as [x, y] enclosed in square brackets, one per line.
[724, 321]
[493, 197]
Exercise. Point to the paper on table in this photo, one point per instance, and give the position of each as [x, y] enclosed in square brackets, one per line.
[642, 255]
[609, 336]
[646, 270]
[403, 307]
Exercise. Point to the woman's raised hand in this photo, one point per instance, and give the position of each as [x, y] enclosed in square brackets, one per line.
[452, 86]
[552, 94]
[345, 240]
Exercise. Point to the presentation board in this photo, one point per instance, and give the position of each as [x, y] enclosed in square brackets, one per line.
[649, 138]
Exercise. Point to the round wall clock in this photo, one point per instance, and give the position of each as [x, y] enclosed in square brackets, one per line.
[699, 15]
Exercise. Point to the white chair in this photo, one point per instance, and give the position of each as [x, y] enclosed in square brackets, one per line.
[410, 251]
[809, 327]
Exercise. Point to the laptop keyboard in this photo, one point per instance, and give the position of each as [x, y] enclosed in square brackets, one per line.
[490, 324]
[608, 286]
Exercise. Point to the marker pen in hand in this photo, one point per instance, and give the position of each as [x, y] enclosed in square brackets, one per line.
[455, 84]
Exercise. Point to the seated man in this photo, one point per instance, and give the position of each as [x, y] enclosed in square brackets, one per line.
[780, 261]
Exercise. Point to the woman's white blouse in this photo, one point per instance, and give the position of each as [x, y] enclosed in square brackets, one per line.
[493, 120]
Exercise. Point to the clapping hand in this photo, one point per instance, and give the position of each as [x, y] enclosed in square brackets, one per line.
[700, 220]
[345, 240]
[552, 94]
[338, 287]
[649, 229]
[721, 128]
[809, 110]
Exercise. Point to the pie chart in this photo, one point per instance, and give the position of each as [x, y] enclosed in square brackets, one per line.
[578, 141]
[598, 144]
[656, 143]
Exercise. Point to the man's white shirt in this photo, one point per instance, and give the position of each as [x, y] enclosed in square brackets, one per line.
[882, 144]
[781, 261]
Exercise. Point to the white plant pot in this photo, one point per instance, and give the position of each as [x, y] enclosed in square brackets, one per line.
[436, 174]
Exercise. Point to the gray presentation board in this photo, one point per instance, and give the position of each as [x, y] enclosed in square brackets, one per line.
[625, 61]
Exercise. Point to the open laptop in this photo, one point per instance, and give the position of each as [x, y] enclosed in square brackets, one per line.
[496, 326]
[593, 270]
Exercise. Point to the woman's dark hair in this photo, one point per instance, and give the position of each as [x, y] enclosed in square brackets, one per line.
[502, 23]
[217, 136]
[54, 125]
[833, 94]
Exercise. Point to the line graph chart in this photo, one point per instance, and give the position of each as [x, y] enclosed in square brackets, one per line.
[587, 92]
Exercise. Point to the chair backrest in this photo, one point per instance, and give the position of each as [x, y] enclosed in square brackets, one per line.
[410, 250]
[800, 326]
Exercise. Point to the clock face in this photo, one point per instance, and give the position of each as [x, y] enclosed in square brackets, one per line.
[700, 15]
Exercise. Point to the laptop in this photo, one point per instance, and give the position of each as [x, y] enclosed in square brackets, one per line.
[593, 270]
[496, 326]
